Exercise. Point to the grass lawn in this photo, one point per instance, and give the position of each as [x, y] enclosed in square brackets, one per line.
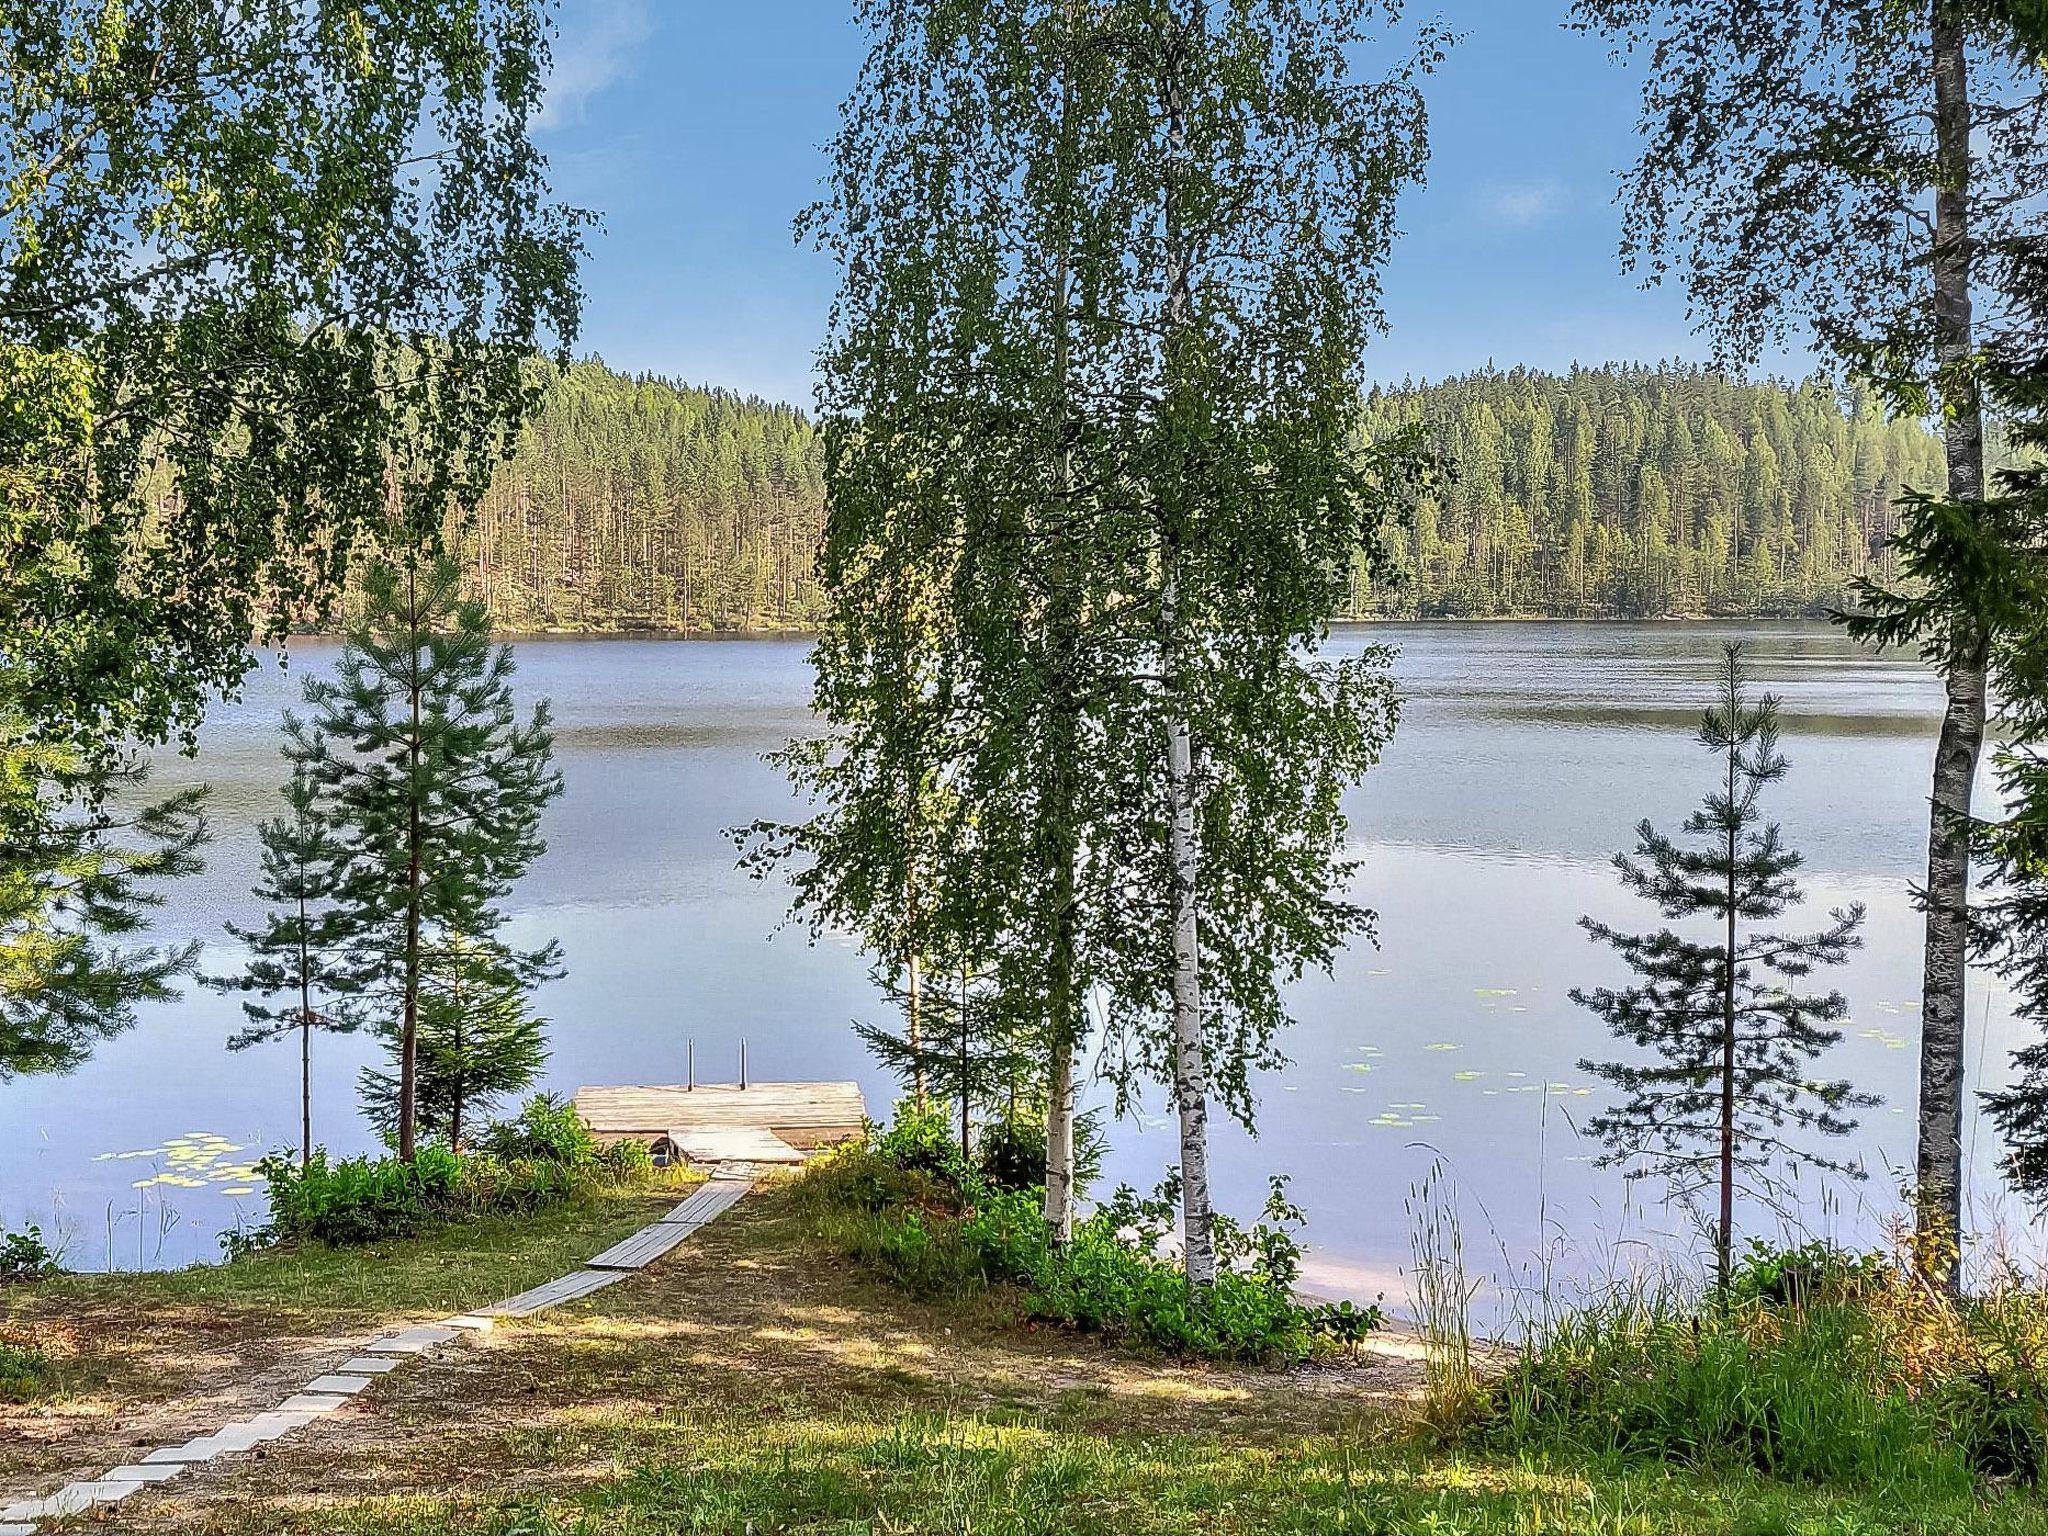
[755, 1382]
[137, 1357]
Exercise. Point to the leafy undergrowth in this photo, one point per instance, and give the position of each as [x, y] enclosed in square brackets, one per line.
[1819, 1366]
[912, 1210]
[542, 1156]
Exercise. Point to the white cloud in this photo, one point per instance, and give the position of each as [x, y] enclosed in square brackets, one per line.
[1522, 203]
[596, 45]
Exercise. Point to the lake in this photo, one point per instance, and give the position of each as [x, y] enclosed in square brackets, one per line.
[1526, 754]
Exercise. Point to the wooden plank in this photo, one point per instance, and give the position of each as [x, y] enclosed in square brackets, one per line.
[716, 1198]
[569, 1287]
[733, 1144]
[643, 1247]
[650, 1243]
[799, 1112]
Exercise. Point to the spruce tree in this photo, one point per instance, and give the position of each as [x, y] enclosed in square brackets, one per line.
[438, 787]
[479, 1040]
[293, 953]
[1733, 1046]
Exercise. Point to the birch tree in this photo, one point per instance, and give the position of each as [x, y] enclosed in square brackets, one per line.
[972, 542]
[1860, 172]
[1261, 176]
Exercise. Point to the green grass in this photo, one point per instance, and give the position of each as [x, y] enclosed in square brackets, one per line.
[450, 1268]
[756, 1384]
[680, 1470]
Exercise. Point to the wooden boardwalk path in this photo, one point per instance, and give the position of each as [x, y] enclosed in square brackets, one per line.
[327, 1393]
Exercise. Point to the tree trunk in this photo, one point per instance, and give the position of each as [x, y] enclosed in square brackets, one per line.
[408, 1039]
[1939, 1191]
[966, 1089]
[913, 995]
[305, 1043]
[1190, 1051]
[1724, 1234]
[1062, 842]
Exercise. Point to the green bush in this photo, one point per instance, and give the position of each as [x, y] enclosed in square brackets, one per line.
[1010, 1152]
[24, 1373]
[942, 1233]
[918, 1140]
[546, 1129]
[25, 1256]
[629, 1162]
[540, 1157]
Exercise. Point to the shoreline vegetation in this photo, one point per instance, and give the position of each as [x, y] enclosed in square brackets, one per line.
[825, 1395]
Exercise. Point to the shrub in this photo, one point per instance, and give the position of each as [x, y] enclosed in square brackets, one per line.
[1793, 1277]
[24, 1373]
[25, 1256]
[1010, 1153]
[918, 1140]
[358, 1199]
[546, 1129]
[1115, 1278]
[629, 1162]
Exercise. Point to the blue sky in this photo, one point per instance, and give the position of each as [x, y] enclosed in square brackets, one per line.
[695, 128]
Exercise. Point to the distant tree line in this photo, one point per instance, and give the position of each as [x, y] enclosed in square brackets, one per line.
[637, 503]
[1626, 490]
[1639, 491]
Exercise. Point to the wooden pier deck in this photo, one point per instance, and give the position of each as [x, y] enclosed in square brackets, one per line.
[725, 1123]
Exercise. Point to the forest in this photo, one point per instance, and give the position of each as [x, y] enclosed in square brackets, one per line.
[1646, 492]
[1639, 491]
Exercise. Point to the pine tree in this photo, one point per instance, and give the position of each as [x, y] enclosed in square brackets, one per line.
[293, 953]
[1896, 161]
[1734, 1046]
[77, 879]
[479, 1040]
[437, 788]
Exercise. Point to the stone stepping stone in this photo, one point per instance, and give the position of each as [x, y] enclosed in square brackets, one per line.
[280, 1422]
[569, 1287]
[369, 1365]
[412, 1341]
[338, 1386]
[304, 1402]
[155, 1472]
[474, 1322]
[11, 1529]
[71, 1499]
[205, 1448]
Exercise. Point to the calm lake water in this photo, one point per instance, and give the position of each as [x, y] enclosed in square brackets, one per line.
[1526, 754]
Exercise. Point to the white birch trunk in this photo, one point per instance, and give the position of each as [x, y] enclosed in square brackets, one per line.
[1190, 1050]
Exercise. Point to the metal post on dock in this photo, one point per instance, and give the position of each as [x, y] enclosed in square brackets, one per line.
[743, 1061]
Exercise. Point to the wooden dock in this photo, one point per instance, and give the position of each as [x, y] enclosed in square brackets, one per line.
[723, 1122]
